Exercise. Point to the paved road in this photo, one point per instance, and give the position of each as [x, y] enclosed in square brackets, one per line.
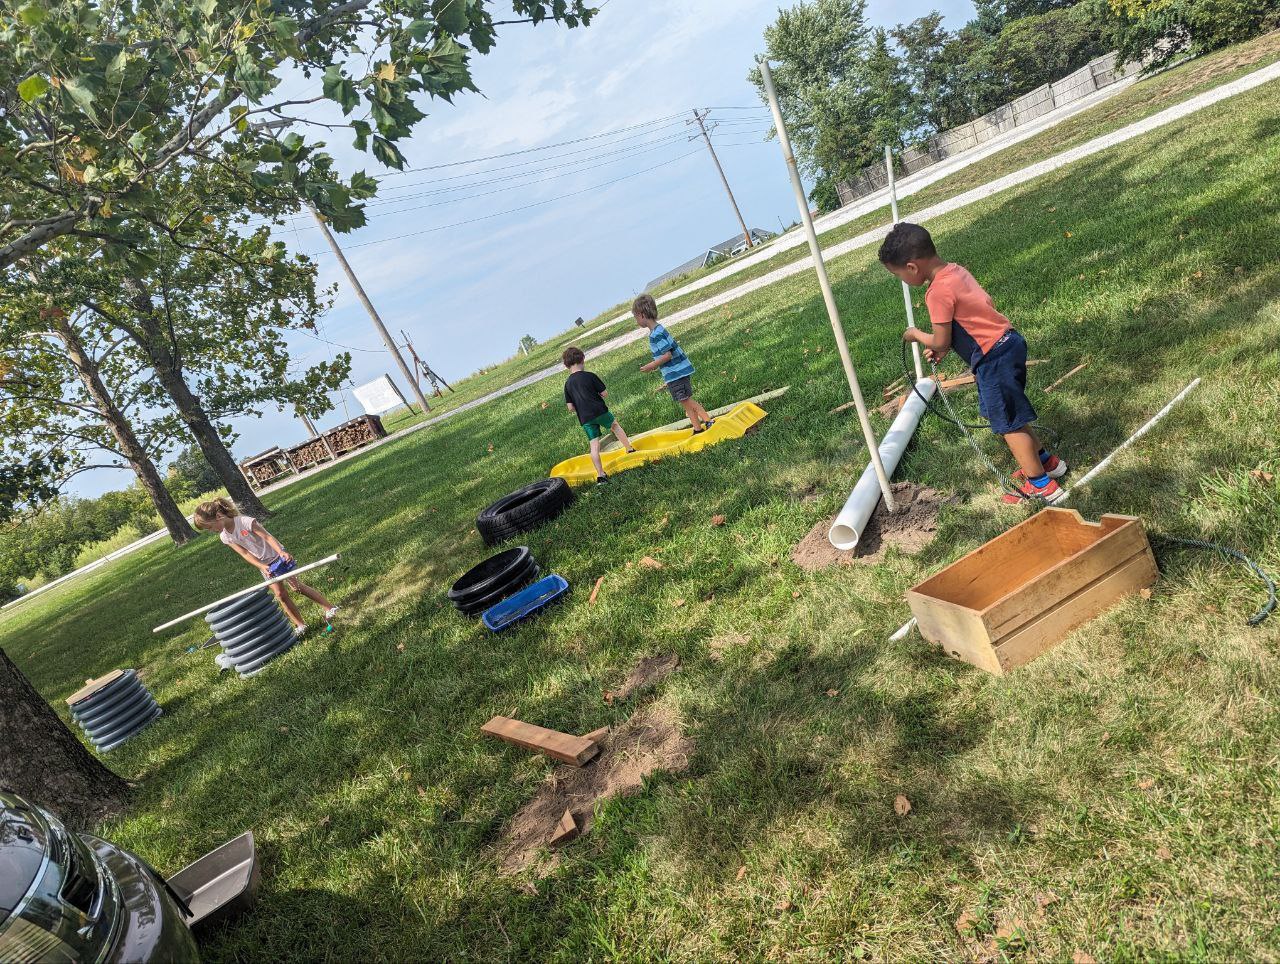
[1169, 115]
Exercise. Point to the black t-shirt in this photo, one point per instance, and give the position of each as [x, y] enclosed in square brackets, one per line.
[582, 390]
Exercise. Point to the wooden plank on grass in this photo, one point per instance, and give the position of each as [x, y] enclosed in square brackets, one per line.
[565, 747]
[1078, 368]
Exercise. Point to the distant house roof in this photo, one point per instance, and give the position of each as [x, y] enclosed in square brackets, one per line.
[713, 252]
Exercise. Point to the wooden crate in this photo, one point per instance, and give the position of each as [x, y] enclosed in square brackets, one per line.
[1016, 597]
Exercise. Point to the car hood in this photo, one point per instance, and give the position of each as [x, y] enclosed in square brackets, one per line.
[24, 841]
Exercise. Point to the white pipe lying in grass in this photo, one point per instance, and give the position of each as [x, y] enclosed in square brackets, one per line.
[244, 592]
[901, 632]
[1088, 476]
[852, 519]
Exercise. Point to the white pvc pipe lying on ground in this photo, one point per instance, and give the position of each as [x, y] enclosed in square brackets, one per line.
[1088, 476]
[852, 519]
[901, 632]
[244, 592]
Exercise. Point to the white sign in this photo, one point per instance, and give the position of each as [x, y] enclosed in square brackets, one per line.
[380, 395]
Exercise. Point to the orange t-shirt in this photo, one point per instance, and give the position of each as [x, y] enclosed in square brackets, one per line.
[955, 297]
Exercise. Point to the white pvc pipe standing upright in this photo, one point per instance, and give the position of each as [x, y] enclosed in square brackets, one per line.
[852, 519]
[824, 283]
[906, 288]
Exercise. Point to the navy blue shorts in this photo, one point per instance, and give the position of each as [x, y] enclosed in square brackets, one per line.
[1002, 385]
[280, 567]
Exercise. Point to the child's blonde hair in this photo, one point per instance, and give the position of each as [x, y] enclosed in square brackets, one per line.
[209, 512]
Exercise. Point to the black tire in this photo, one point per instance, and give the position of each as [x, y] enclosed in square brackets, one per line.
[526, 576]
[493, 573]
[523, 510]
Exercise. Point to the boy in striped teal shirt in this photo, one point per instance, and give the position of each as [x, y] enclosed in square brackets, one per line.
[669, 357]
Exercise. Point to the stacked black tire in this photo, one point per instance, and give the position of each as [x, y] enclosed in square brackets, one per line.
[116, 712]
[253, 630]
[523, 510]
[494, 580]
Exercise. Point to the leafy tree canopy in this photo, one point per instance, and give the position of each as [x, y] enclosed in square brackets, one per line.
[100, 98]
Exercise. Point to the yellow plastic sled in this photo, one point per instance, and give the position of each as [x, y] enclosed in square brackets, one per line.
[652, 446]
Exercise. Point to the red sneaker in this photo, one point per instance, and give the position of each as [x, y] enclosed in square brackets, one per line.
[1054, 467]
[1051, 492]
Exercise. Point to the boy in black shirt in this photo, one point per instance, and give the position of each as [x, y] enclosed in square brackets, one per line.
[584, 394]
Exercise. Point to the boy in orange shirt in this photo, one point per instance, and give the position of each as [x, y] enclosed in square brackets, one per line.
[963, 316]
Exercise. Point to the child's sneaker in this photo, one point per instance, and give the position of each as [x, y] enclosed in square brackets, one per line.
[1054, 467]
[300, 631]
[601, 479]
[224, 662]
[330, 613]
[1050, 492]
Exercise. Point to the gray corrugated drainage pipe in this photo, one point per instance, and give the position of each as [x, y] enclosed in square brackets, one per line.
[253, 630]
[111, 714]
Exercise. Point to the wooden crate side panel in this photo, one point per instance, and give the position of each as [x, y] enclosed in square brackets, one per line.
[1041, 635]
[1064, 579]
[995, 569]
[957, 630]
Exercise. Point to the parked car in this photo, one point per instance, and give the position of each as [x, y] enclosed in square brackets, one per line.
[71, 897]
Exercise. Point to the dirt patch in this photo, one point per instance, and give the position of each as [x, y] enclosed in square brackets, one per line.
[648, 742]
[647, 673]
[910, 529]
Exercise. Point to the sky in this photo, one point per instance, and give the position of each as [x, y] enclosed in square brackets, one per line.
[642, 198]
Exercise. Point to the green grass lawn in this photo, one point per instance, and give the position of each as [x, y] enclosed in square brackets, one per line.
[1118, 796]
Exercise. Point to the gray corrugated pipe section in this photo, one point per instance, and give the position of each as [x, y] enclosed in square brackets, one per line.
[253, 630]
[116, 712]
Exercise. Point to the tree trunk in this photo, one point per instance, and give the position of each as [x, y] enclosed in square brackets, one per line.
[158, 347]
[41, 759]
[179, 529]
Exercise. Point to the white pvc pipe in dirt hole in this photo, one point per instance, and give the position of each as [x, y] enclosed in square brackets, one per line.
[852, 519]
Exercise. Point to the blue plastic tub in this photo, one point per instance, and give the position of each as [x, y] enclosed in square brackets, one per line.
[525, 603]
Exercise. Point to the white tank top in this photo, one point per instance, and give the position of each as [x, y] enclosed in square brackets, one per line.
[242, 535]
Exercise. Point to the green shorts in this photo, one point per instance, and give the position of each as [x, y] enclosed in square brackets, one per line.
[599, 425]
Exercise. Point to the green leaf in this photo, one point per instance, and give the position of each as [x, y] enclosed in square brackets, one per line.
[33, 87]
[419, 29]
[32, 14]
[387, 153]
[362, 185]
[80, 91]
[452, 15]
[362, 129]
[207, 7]
[340, 89]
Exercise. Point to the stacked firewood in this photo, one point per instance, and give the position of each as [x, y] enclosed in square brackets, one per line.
[355, 433]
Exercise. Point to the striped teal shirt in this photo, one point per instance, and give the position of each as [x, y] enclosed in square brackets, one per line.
[661, 342]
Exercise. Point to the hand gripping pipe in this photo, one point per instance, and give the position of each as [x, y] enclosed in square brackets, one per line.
[852, 519]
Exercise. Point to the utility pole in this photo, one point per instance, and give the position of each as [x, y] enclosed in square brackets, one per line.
[368, 306]
[700, 118]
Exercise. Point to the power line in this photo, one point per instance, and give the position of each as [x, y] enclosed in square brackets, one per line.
[534, 150]
[525, 207]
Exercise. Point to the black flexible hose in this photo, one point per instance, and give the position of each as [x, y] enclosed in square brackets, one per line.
[928, 402]
[1268, 607]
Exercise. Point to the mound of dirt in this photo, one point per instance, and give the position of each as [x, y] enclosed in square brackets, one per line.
[647, 673]
[648, 742]
[911, 528]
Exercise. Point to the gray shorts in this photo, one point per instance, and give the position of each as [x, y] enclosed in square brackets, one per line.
[681, 389]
